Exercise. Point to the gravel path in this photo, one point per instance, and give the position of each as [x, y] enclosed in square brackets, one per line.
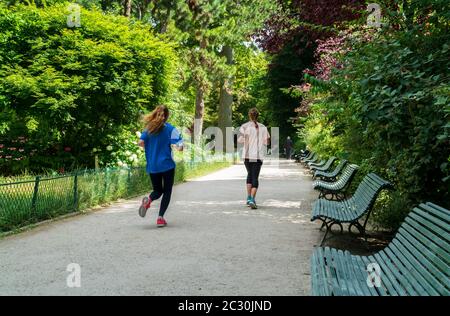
[214, 244]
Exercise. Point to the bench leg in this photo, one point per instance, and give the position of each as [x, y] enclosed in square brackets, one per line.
[339, 196]
[329, 226]
[361, 230]
[335, 196]
[324, 236]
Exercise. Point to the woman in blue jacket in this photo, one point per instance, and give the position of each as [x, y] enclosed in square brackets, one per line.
[157, 140]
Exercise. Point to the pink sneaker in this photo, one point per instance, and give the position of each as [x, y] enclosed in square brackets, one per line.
[161, 222]
[146, 202]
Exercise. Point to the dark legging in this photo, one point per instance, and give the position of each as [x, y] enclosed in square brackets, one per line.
[162, 185]
[253, 169]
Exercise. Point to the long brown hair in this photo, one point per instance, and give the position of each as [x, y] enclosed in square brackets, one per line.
[253, 114]
[154, 122]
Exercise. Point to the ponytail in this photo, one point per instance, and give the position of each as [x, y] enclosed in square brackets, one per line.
[253, 114]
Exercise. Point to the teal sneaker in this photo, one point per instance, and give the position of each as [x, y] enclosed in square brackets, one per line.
[249, 199]
[253, 205]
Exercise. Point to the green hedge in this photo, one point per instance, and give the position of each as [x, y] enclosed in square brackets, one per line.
[65, 91]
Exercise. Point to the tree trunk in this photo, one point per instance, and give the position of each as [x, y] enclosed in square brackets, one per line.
[226, 97]
[199, 112]
[165, 23]
[200, 99]
[127, 8]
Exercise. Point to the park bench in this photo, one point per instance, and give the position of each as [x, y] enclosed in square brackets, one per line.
[316, 164]
[302, 154]
[330, 176]
[315, 159]
[324, 167]
[416, 262]
[351, 210]
[308, 156]
[297, 157]
[336, 189]
[311, 157]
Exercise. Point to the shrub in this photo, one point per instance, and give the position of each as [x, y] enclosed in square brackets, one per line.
[70, 90]
[387, 110]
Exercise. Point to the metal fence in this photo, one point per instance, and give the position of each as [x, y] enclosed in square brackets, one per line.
[44, 197]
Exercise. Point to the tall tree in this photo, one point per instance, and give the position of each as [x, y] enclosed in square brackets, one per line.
[127, 8]
[238, 21]
[290, 36]
[207, 32]
[226, 94]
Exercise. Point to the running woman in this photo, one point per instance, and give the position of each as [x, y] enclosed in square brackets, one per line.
[254, 136]
[158, 139]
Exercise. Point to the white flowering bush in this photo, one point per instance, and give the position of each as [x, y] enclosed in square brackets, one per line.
[121, 151]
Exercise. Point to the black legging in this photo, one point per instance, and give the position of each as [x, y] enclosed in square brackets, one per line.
[162, 185]
[253, 169]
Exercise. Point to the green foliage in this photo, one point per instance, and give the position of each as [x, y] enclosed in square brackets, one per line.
[387, 110]
[285, 72]
[76, 88]
[319, 135]
[250, 83]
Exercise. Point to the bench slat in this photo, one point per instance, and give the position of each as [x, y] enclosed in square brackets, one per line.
[319, 273]
[343, 280]
[405, 267]
[421, 265]
[332, 271]
[399, 283]
[359, 274]
[437, 210]
[432, 223]
[440, 246]
[415, 236]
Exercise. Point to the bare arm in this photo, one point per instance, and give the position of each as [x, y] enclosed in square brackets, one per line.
[179, 148]
[267, 139]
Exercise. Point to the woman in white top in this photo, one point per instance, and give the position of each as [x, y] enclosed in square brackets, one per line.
[255, 137]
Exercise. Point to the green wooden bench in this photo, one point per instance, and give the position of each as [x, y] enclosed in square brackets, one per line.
[351, 210]
[336, 189]
[311, 156]
[330, 176]
[416, 262]
[324, 167]
[314, 158]
[319, 163]
[302, 154]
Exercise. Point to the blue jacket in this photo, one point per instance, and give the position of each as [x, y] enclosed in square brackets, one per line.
[158, 150]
